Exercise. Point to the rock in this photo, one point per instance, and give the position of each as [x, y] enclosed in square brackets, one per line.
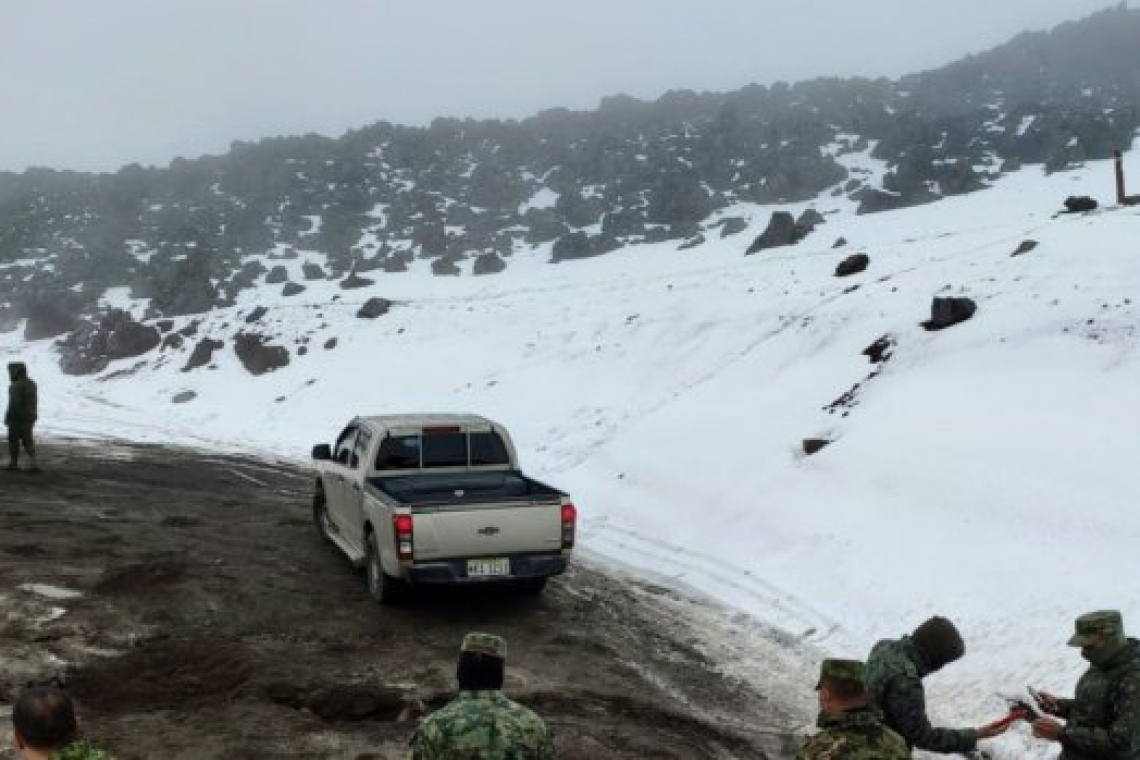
[330, 344]
[203, 353]
[173, 341]
[183, 397]
[277, 275]
[129, 338]
[488, 263]
[311, 271]
[880, 350]
[945, 312]
[164, 325]
[47, 319]
[813, 445]
[839, 242]
[852, 265]
[394, 264]
[692, 242]
[257, 356]
[1025, 247]
[292, 289]
[733, 225]
[445, 267]
[810, 219]
[1076, 204]
[354, 281]
[374, 307]
[256, 314]
[782, 230]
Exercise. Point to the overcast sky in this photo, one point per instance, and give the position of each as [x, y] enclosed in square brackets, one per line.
[95, 84]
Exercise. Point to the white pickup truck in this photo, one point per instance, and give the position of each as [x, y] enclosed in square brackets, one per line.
[438, 499]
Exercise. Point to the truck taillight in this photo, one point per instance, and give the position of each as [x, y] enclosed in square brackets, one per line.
[402, 525]
[569, 520]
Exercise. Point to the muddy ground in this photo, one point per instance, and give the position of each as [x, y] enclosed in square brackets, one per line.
[210, 621]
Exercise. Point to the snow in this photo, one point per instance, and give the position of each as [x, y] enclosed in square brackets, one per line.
[986, 474]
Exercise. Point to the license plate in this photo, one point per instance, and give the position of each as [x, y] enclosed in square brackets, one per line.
[488, 567]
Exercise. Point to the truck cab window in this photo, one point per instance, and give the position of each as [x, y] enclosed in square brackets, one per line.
[344, 444]
[399, 452]
[488, 448]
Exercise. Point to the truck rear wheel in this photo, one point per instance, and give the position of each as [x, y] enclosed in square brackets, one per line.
[383, 587]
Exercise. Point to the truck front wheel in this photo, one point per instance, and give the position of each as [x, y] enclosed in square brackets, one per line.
[383, 587]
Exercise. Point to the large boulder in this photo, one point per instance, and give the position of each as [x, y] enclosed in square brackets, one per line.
[945, 312]
[782, 230]
[311, 271]
[1076, 204]
[853, 264]
[374, 307]
[277, 275]
[257, 356]
[203, 353]
[445, 266]
[91, 346]
[488, 263]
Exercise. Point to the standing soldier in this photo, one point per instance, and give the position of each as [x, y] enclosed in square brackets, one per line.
[21, 415]
[895, 669]
[1103, 718]
[849, 729]
[481, 723]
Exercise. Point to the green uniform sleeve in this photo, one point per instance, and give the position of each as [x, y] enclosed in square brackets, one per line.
[1064, 707]
[904, 708]
[1122, 736]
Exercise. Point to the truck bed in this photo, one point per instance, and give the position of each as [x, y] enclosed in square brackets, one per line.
[451, 488]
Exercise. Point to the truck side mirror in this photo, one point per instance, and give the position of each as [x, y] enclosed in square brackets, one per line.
[322, 452]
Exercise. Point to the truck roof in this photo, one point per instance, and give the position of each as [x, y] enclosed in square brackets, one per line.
[426, 419]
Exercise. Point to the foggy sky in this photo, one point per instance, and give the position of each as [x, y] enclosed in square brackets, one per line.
[96, 84]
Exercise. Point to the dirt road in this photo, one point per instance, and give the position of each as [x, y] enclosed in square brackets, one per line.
[192, 610]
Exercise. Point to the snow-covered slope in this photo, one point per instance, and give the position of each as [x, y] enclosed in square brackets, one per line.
[988, 472]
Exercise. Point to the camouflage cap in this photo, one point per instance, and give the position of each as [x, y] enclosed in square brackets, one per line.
[1090, 627]
[841, 670]
[485, 643]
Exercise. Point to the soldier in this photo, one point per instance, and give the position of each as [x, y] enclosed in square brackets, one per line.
[481, 723]
[849, 727]
[20, 417]
[45, 727]
[1103, 719]
[895, 669]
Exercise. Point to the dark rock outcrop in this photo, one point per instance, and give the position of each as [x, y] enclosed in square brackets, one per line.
[311, 271]
[1025, 247]
[733, 225]
[292, 289]
[183, 397]
[354, 281]
[257, 356]
[203, 353]
[277, 275]
[853, 264]
[879, 351]
[488, 263]
[814, 445]
[256, 314]
[374, 307]
[782, 230]
[948, 311]
[445, 267]
[1076, 204]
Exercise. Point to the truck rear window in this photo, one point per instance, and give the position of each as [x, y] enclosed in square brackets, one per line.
[450, 449]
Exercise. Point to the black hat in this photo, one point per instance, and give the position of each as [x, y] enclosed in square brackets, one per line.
[938, 641]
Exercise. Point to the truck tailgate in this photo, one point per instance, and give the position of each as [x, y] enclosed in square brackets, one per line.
[486, 530]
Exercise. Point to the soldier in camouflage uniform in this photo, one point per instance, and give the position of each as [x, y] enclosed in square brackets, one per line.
[895, 669]
[20, 416]
[1103, 719]
[45, 727]
[849, 729]
[481, 723]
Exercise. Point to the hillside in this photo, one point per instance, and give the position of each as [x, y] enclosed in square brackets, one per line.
[476, 197]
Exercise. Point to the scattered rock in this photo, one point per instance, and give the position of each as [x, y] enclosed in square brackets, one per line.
[1076, 204]
[292, 289]
[839, 242]
[354, 281]
[173, 341]
[488, 263]
[183, 397]
[782, 230]
[1025, 247]
[164, 325]
[852, 265]
[880, 350]
[311, 271]
[203, 353]
[277, 275]
[692, 242]
[445, 267]
[257, 356]
[813, 445]
[945, 312]
[330, 344]
[733, 225]
[256, 314]
[374, 307]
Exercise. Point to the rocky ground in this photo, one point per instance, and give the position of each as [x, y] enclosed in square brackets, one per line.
[192, 610]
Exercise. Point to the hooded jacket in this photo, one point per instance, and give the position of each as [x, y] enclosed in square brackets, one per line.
[22, 401]
[895, 669]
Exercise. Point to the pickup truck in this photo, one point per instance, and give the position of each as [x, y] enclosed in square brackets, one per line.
[421, 499]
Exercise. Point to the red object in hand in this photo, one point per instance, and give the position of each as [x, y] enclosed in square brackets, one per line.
[1015, 714]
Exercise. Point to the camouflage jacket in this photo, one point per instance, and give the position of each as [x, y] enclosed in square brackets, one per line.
[21, 402]
[894, 680]
[853, 735]
[482, 725]
[80, 750]
[1104, 715]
